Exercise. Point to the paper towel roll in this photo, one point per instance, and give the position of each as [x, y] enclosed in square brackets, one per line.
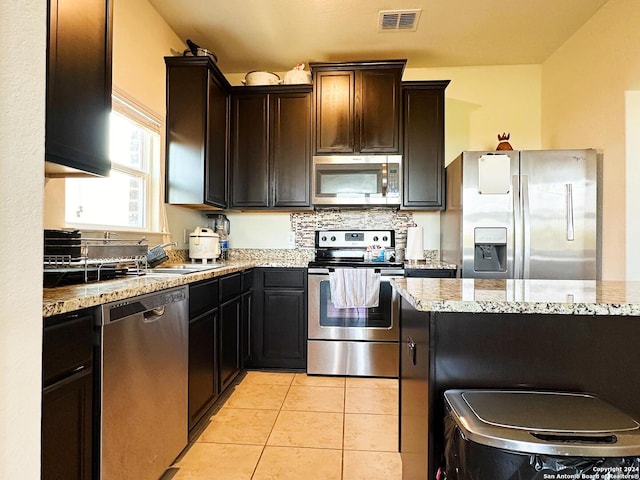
[415, 244]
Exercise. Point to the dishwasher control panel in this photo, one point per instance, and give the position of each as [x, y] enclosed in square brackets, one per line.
[135, 305]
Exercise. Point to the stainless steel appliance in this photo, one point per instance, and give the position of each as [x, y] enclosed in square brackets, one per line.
[353, 341]
[143, 384]
[219, 221]
[523, 214]
[357, 180]
[204, 245]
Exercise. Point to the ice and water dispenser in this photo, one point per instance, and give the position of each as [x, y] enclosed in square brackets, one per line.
[490, 249]
[490, 243]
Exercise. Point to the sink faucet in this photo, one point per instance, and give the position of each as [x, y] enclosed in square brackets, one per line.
[157, 254]
[168, 244]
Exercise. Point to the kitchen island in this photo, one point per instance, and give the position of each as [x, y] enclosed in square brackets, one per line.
[577, 336]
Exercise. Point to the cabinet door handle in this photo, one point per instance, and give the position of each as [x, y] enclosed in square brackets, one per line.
[411, 346]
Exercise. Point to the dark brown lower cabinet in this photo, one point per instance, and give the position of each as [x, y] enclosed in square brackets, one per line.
[279, 322]
[215, 313]
[67, 396]
[414, 394]
[229, 342]
[203, 321]
[246, 309]
[66, 428]
[245, 328]
[203, 378]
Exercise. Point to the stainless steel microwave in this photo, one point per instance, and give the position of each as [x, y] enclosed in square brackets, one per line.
[357, 180]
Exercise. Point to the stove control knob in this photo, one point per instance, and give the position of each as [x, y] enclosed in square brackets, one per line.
[385, 238]
[375, 238]
[324, 238]
[333, 239]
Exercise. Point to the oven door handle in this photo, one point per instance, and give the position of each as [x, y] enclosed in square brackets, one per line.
[376, 270]
[319, 272]
[384, 275]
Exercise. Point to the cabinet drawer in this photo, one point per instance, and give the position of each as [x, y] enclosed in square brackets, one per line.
[67, 345]
[203, 296]
[230, 286]
[285, 277]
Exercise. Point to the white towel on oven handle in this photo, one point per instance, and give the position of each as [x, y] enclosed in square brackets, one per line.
[354, 287]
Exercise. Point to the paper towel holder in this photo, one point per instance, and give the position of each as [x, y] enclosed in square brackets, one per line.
[414, 252]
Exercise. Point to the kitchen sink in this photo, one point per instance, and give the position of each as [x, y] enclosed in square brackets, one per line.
[184, 268]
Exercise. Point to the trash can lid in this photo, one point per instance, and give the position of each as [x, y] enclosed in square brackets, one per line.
[544, 422]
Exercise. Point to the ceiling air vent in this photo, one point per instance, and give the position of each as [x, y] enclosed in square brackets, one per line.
[398, 20]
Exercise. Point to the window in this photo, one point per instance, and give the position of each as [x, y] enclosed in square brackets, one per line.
[123, 200]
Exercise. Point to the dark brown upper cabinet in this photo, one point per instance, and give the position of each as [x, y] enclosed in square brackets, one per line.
[357, 107]
[271, 147]
[78, 87]
[423, 158]
[197, 132]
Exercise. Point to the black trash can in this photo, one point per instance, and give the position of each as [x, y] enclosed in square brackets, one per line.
[536, 435]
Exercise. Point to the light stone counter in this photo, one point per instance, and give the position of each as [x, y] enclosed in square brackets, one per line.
[429, 265]
[75, 297]
[568, 297]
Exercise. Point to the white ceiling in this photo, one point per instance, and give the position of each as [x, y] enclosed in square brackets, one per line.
[275, 35]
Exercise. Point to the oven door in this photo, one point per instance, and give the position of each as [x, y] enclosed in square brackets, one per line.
[327, 322]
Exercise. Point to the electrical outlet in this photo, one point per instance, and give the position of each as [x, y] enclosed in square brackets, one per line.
[292, 239]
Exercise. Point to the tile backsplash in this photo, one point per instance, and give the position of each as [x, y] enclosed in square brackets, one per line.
[304, 224]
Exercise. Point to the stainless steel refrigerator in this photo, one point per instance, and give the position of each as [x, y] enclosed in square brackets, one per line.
[523, 214]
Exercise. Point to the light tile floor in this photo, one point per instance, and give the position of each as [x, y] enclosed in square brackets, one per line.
[290, 426]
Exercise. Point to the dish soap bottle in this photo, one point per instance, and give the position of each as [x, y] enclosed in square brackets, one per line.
[224, 242]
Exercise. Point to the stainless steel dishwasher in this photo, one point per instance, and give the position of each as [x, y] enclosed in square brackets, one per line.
[143, 384]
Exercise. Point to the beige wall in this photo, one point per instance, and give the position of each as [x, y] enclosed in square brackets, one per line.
[141, 40]
[22, 107]
[583, 99]
[481, 102]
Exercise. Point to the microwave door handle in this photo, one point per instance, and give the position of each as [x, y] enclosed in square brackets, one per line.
[385, 181]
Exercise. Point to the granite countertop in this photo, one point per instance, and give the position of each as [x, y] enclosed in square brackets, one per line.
[569, 297]
[429, 265]
[75, 297]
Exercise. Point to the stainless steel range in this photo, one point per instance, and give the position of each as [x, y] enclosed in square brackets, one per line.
[360, 340]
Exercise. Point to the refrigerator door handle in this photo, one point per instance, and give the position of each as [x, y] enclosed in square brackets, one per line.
[517, 228]
[526, 227]
[570, 231]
